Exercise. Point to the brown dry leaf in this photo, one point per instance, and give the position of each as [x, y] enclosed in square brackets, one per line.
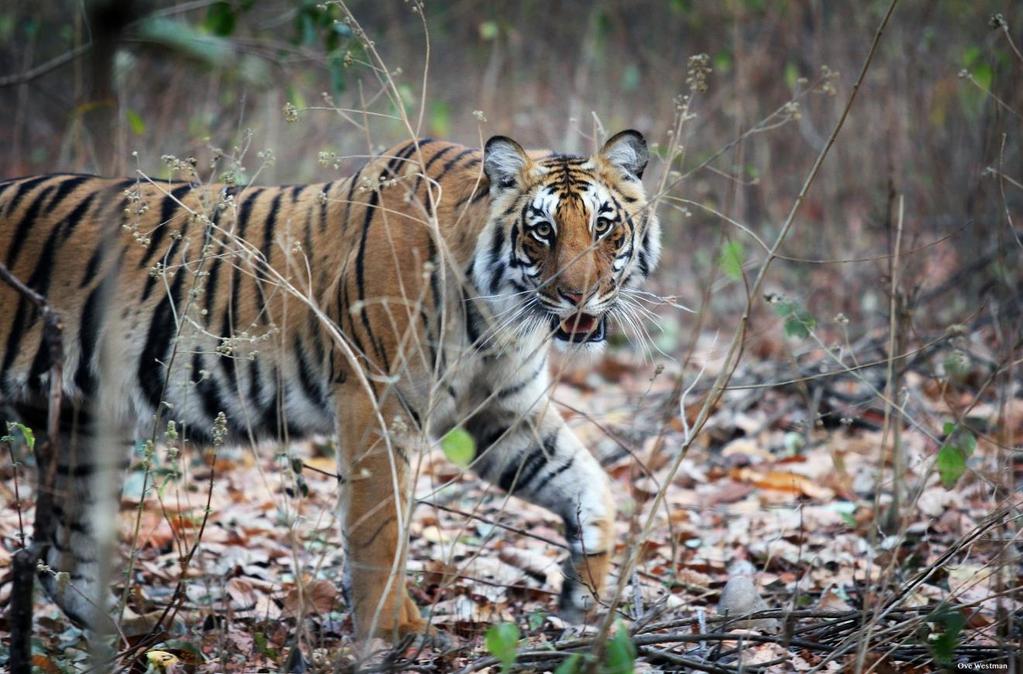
[320, 597]
[728, 491]
[753, 655]
[831, 601]
[242, 593]
[783, 481]
[240, 640]
[614, 369]
[800, 664]
[747, 447]
[45, 664]
[154, 529]
[693, 578]
[644, 488]
[438, 572]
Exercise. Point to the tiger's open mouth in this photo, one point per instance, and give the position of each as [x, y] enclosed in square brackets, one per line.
[580, 328]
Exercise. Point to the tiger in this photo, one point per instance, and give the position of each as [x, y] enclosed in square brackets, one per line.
[421, 294]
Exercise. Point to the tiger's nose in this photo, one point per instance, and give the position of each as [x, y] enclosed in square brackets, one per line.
[573, 296]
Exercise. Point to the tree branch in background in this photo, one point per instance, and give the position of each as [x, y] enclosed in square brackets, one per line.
[44, 68]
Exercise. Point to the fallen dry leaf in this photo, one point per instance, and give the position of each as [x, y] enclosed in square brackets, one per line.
[316, 597]
[783, 481]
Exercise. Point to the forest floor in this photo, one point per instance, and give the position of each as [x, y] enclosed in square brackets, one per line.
[792, 477]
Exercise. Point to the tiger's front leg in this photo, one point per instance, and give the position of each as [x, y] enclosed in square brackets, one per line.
[535, 456]
[374, 509]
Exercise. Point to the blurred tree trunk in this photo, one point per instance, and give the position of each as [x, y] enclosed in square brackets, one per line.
[107, 20]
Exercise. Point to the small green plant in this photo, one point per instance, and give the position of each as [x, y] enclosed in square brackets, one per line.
[262, 645]
[798, 322]
[459, 446]
[621, 653]
[731, 258]
[945, 639]
[502, 641]
[570, 665]
[957, 448]
[14, 429]
[619, 656]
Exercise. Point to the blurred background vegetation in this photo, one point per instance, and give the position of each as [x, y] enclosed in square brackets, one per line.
[86, 84]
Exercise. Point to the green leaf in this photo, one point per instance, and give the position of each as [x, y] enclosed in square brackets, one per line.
[958, 447]
[984, 75]
[944, 645]
[570, 665]
[135, 123]
[845, 510]
[220, 19]
[791, 75]
[951, 465]
[440, 119]
[138, 127]
[967, 442]
[30, 437]
[502, 641]
[26, 432]
[336, 66]
[971, 55]
[799, 325]
[262, 645]
[731, 259]
[621, 653]
[798, 322]
[459, 447]
[722, 62]
[488, 30]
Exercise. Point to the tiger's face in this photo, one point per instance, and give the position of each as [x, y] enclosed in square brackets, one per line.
[568, 237]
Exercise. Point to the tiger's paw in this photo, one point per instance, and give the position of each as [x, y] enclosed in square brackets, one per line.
[410, 630]
[576, 601]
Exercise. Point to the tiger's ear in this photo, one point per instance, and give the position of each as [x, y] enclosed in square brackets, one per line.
[627, 151]
[504, 162]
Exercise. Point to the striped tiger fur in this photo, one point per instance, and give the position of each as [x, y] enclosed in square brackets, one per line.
[421, 293]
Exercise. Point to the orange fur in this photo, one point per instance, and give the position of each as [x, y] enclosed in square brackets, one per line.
[358, 306]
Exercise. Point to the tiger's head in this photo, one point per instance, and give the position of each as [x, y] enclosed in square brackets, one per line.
[567, 237]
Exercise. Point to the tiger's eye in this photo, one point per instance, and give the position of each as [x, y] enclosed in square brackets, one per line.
[603, 225]
[542, 229]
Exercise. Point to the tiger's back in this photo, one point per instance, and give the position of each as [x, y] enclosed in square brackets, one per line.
[201, 282]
